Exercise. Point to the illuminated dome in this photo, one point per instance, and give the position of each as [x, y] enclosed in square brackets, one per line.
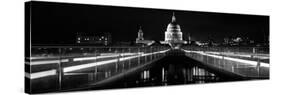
[173, 32]
[173, 26]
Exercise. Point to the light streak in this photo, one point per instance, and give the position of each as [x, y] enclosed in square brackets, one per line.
[42, 62]
[40, 74]
[46, 62]
[231, 59]
[103, 56]
[83, 66]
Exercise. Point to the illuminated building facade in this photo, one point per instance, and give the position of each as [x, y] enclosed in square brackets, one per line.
[140, 39]
[97, 38]
[173, 34]
[140, 35]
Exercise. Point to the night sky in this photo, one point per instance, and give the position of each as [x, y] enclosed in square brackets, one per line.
[54, 23]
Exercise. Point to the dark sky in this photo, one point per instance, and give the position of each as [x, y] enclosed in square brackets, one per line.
[59, 22]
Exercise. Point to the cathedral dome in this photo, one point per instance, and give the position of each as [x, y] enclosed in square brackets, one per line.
[173, 26]
[173, 34]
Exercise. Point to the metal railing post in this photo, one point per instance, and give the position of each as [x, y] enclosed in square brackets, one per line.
[60, 72]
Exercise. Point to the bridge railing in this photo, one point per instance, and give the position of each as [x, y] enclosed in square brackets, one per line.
[252, 50]
[58, 67]
[247, 61]
[38, 52]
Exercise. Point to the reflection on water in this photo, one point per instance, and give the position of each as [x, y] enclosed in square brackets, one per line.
[169, 73]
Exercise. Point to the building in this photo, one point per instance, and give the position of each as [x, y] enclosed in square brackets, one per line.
[173, 34]
[140, 39]
[140, 35]
[94, 38]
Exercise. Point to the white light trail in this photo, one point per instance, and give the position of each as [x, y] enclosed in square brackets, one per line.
[32, 58]
[103, 56]
[127, 58]
[83, 66]
[42, 62]
[93, 58]
[40, 74]
[232, 59]
[260, 56]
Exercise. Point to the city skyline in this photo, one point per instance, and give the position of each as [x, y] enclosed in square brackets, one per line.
[79, 47]
[70, 19]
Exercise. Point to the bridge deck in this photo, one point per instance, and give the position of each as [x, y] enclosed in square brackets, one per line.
[72, 72]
